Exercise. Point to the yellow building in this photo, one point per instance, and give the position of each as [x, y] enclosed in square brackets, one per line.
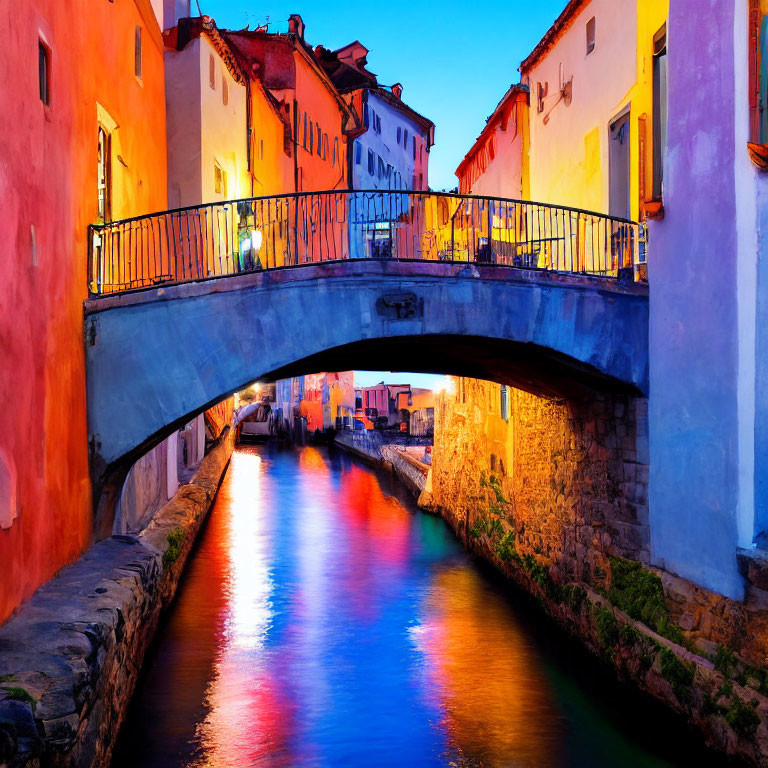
[597, 84]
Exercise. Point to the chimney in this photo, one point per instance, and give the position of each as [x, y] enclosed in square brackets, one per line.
[296, 26]
[397, 91]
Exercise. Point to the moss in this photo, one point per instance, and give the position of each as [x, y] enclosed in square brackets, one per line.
[742, 717]
[725, 660]
[639, 593]
[496, 488]
[505, 548]
[726, 689]
[574, 596]
[171, 554]
[678, 673]
[630, 636]
[20, 694]
[607, 627]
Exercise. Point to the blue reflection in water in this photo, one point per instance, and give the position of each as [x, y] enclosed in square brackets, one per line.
[323, 621]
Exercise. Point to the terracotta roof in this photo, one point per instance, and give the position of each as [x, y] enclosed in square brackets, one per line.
[553, 34]
[189, 29]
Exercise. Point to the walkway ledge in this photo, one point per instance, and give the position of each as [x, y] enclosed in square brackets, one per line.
[70, 658]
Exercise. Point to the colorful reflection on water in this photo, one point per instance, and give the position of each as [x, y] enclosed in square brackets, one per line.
[324, 621]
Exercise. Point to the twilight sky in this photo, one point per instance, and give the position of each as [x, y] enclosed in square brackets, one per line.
[454, 59]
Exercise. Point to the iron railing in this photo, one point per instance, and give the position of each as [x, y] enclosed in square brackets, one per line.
[240, 236]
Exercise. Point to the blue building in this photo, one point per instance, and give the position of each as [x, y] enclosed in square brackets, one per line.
[390, 153]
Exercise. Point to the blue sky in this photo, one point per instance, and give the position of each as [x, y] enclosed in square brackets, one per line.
[454, 59]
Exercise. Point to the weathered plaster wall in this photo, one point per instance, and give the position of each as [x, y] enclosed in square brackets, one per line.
[696, 452]
[569, 154]
[48, 195]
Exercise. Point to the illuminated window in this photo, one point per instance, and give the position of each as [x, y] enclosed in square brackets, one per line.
[590, 35]
[219, 180]
[224, 91]
[104, 174]
[212, 72]
[44, 72]
[137, 52]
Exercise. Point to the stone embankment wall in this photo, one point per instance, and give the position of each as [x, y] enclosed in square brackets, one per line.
[554, 494]
[70, 658]
[411, 472]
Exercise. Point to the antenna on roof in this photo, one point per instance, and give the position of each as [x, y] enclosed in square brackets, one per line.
[199, 12]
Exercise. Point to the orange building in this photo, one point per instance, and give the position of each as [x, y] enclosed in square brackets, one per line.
[82, 127]
[319, 119]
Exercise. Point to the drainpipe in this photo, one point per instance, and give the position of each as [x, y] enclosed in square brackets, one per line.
[295, 181]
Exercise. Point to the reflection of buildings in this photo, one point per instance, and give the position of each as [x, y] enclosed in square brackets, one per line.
[314, 403]
[497, 704]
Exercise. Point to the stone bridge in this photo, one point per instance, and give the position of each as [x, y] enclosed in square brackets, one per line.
[159, 356]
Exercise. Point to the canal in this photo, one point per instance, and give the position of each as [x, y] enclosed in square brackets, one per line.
[325, 621]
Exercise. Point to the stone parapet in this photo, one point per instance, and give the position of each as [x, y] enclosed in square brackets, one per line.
[70, 658]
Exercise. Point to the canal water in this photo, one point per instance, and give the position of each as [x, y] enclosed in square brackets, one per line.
[325, 621]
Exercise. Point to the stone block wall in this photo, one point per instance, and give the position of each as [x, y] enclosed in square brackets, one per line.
[570, 478]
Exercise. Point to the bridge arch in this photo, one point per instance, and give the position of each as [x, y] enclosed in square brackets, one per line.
[156, 358]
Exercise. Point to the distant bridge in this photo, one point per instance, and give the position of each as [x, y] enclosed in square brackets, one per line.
[189, 306]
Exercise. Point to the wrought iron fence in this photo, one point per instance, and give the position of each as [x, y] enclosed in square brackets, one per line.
[240, 236]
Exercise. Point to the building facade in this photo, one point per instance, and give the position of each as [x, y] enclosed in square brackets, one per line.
[82, 126]
[497, 163]
[594, 79]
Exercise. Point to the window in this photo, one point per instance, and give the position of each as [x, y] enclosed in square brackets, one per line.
[358, 154]
[371, 162]
[304, 135]
[319, 135]
[378, 124]
[336, 151]
[212, 72]
[219, 180]
[325, 149]
[311, 138]
[365, 116]
[590, 35]
[103, 179]
[659, 108]
[44, 72]
[399, 134]
[504, 403]
[224, 90]
[382, 170]
[261, 149]
[137, 53]
[405, 139]
[414, 149]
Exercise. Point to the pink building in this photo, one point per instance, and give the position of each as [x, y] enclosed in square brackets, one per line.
[496, 163]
